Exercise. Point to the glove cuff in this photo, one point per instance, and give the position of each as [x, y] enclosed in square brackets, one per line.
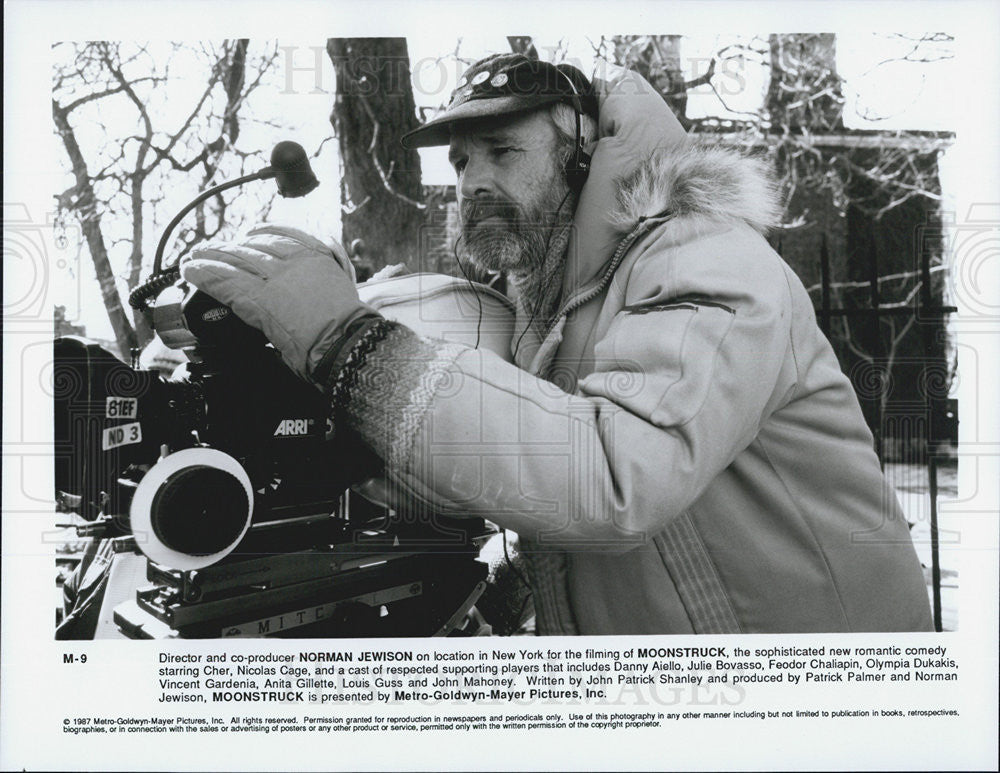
[339, 368]
[332, 362]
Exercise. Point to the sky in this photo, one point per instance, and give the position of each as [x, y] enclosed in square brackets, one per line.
[298, 97]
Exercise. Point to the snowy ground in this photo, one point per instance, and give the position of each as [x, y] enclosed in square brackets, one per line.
[913, 488]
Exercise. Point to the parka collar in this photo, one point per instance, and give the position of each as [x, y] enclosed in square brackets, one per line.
[634, 122]
[645, 165]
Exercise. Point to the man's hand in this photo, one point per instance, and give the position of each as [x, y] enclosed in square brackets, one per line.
[289, 285]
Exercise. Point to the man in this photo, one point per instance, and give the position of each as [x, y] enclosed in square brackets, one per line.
[676, 446]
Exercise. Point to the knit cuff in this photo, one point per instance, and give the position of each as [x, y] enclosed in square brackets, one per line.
[387, 386]
[332, 363]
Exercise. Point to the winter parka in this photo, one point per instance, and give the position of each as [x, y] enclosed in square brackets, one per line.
[680, 452]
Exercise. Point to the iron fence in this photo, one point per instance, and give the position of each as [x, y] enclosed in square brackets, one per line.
[925, 420]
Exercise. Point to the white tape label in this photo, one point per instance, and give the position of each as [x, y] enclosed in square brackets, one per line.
[123, 435]
[122, 408]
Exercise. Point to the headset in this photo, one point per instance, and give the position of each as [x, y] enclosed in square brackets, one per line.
[578, 166]
[576, 171]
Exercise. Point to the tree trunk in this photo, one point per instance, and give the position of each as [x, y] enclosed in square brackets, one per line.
[522, 44]
[90, 221]
[381, 193]
[657, 58]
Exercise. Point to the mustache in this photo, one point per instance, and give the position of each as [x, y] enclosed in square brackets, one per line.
[475, 211]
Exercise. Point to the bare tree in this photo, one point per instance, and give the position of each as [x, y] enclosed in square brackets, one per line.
[383, 201]
[856, 197]
[658, 58]
[120, 176]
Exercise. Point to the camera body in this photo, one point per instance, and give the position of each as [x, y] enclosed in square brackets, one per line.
[230, 478]
[234, 395]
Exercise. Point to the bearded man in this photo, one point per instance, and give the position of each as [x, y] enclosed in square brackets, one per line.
[675, 442]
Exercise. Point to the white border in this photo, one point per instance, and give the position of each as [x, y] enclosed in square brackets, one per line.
[36, 690]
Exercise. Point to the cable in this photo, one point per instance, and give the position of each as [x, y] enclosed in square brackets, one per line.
[515, 627]
[538, 303]
[527, 327]
[139, 297]
[578, 164]
[520, 613]
[510, 563]
[472, 286]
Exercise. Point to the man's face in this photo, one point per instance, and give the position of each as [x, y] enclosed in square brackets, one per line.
[511, 190]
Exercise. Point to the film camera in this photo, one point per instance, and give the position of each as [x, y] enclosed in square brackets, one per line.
[233, 483]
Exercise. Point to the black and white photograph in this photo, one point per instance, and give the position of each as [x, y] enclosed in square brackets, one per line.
[647, 373]
[659, 414]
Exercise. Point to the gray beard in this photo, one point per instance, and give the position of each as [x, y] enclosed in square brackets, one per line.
[539, 288]
[506, 250]
[515, 241]
[532, 256]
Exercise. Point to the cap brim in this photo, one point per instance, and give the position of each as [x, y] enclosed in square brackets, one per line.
[438, 130]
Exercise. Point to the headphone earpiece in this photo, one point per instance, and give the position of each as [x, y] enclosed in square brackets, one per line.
[578, 166]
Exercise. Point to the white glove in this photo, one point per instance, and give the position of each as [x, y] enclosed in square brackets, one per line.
[298, 291]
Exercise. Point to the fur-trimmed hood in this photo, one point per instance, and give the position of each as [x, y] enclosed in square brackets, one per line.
[711, 182]
[645, 164]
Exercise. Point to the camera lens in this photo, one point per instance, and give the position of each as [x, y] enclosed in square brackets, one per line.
[199, 510]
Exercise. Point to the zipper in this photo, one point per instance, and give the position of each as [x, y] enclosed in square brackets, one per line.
[640, 310]
[616, 259]
[691, 304]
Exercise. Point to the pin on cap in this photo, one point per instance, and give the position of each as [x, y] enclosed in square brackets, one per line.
[503, 84]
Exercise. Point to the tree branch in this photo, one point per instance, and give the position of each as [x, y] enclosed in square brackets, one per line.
[106, 93]
[372, 146]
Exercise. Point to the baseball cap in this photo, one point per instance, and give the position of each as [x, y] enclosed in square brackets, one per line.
[502, 84]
